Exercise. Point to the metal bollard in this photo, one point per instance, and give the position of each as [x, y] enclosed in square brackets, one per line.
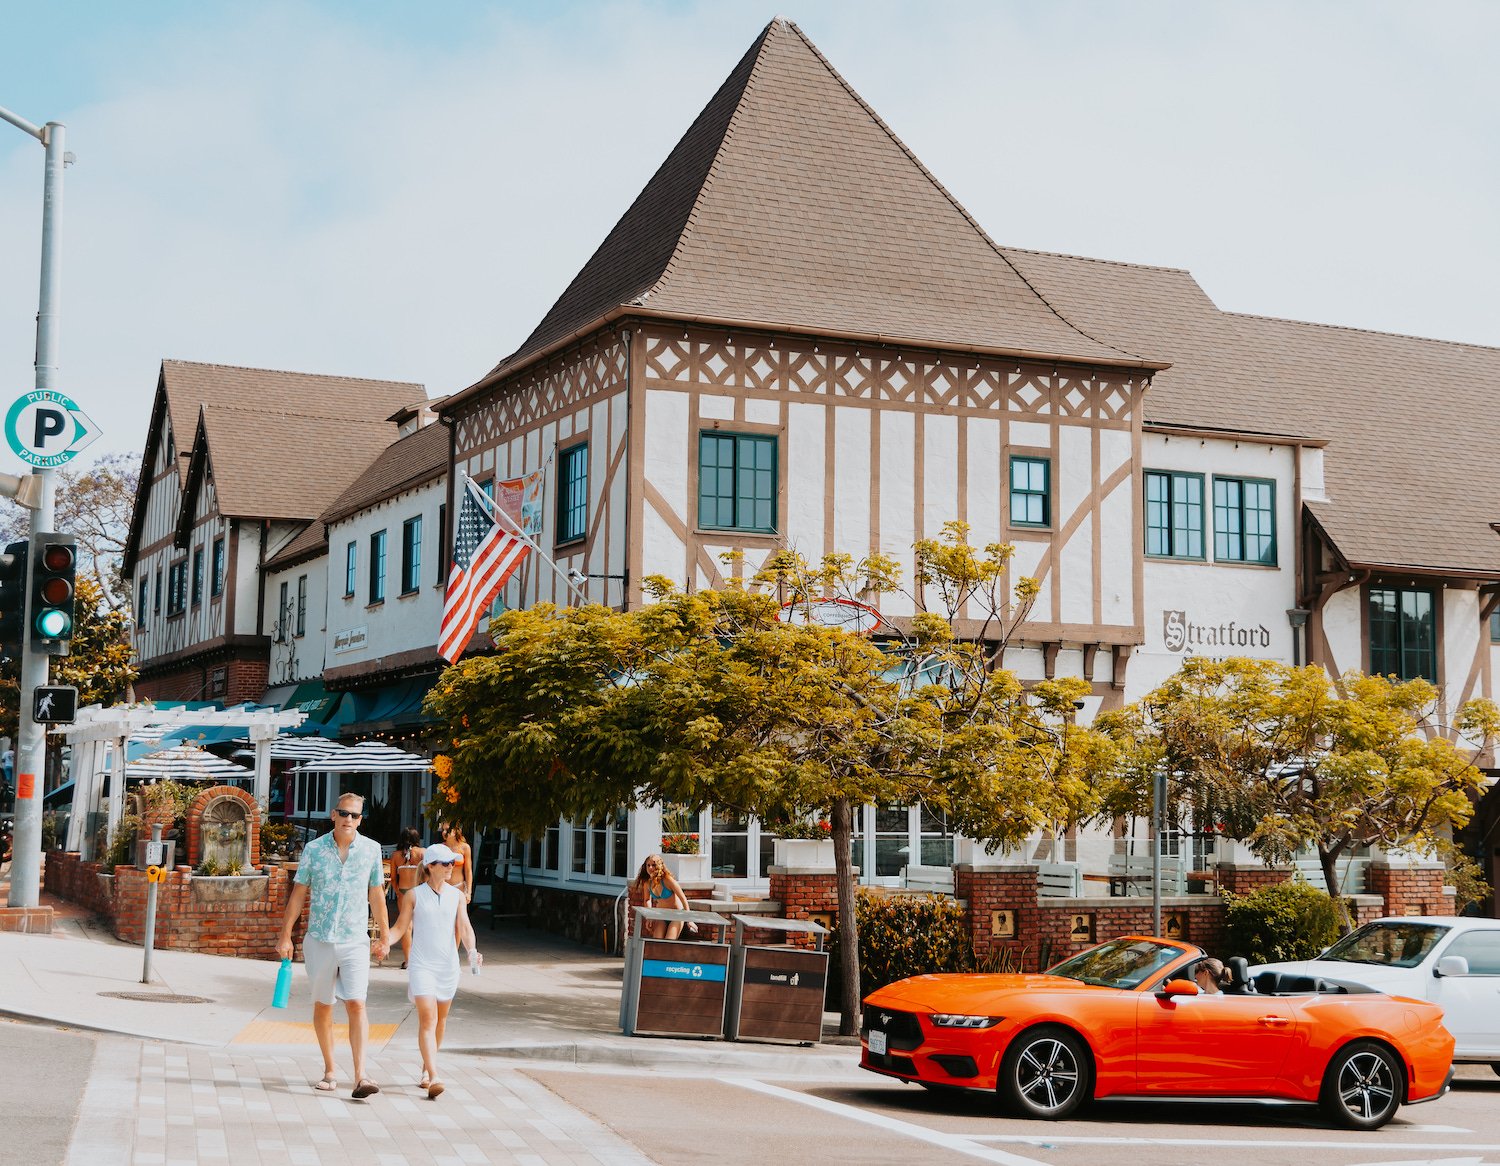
[153, 869]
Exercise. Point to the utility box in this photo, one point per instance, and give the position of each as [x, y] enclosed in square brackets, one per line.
[776, 992]
[675, 987]
[165, 853]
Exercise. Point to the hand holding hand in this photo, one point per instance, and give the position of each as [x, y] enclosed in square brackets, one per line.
[382, 949]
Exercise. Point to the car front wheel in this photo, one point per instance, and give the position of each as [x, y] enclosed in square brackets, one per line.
[1045, 1074]
[1362, 1088]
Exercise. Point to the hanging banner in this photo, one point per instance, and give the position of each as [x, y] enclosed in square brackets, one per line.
[521, 498]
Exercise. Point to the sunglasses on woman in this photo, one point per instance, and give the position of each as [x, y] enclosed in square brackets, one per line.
[449, 862]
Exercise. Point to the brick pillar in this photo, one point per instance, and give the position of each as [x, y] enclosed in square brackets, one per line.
[1410, 888]
[1242, 878]
[988, 889]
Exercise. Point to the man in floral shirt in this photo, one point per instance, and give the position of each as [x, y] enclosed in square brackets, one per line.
[342, 871]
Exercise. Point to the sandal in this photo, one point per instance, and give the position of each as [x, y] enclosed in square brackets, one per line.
[364, 1089]
[328, 1083]
[425, 1081]
[433, 1090]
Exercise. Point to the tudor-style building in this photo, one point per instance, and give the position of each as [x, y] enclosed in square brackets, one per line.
[237, 462]
[796, 336]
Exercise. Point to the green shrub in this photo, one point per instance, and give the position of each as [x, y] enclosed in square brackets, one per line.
[905, 935]
[277, 838]
[1289, 921]
[121, 851]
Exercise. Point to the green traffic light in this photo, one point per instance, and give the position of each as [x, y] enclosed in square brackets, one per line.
[52, 624]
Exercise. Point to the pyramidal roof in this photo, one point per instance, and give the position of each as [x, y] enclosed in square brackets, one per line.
[790, 205]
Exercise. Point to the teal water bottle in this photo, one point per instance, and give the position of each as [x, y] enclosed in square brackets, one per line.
[283, 994]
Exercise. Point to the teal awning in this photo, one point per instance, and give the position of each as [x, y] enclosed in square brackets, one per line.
[326, 710]
[391, 706]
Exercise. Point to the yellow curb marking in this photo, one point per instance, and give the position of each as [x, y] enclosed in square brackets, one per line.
[285, 1032]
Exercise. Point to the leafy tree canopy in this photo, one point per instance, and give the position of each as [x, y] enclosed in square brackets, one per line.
[1286, 758]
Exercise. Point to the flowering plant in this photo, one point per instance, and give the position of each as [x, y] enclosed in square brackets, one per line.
[818, 828]
[679, 844]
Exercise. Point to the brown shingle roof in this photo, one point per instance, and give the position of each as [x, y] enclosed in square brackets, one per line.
[417, 458]
[1411, 423]
[1400, 493]
[308, 543]
[790, 204]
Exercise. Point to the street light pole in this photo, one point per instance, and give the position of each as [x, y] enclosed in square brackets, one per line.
[26, 844]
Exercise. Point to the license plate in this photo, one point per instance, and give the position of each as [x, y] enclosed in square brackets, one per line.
[877, 1042]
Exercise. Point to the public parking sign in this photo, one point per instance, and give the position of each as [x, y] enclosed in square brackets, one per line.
[47, 429]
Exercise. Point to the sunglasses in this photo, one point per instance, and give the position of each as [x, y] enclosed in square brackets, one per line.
[355, 814]
[448, 863]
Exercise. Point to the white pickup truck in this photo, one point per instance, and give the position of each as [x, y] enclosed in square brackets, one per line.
[1452, 960]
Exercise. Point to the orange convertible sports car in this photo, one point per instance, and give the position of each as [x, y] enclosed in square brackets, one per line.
[1127, 1019]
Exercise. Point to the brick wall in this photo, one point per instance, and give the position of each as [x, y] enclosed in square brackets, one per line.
[1410, 890]
[195, 821]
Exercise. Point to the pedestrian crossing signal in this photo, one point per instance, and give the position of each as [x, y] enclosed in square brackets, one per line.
[54, 704]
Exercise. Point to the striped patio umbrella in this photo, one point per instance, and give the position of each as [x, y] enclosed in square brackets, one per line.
[289, 748]
[367, 757]
[185, 763]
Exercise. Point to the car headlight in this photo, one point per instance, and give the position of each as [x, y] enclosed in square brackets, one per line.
[959, 1020]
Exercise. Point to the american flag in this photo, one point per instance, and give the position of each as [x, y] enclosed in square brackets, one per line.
[484, 555]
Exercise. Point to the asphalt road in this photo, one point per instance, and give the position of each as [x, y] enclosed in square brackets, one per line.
[43, 1072]
[742, 1122]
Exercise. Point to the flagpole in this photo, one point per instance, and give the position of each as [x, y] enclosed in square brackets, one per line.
[498, 513]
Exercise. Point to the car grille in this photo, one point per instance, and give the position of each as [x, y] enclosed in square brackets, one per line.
[902, 1029]
[891, 1064]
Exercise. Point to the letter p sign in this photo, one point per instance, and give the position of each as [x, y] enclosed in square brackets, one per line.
[46, 429]
[49, 423]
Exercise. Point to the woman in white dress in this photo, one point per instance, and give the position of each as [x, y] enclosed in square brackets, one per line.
[434, 914]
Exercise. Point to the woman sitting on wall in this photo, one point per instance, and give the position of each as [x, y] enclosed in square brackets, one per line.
[654, 886]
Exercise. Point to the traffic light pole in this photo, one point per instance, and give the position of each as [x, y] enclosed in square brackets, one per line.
[26, 843]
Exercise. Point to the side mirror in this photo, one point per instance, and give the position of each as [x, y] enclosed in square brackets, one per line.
[1179, 988]
[1451, 965]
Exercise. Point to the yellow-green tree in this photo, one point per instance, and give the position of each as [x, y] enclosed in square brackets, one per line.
[1284, 758]
[742, 698]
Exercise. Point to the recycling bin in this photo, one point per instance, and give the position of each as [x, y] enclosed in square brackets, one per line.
[776, 992]
[675, 987]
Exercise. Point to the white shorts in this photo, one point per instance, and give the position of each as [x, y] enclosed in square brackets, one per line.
[337, 971]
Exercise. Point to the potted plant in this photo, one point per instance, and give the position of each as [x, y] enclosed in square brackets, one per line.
[680, 851]
[803, 841]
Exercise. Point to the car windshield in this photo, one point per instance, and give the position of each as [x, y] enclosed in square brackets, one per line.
[1121, 963]
[1393, 943]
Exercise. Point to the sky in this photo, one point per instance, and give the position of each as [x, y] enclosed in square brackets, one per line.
[399, 190]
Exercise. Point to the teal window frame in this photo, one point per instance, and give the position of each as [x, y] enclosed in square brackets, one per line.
[1495, 627]
[573, 493]
[377, 568]
[351, 568]
[301, 605]
[1178, 508]
[411, 555]
[217, 587]
[1244, 520]
[1403, 632]
[1035, 499]
[739, 478]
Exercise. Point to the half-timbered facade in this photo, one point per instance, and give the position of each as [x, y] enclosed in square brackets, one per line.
[237, 463]
[796, 337]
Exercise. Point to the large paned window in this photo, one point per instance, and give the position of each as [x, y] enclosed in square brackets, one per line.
[284, 613]
[411, 555]
[302, 605]
[573, 493]
[177, 588]
[377, 567]
[197, 576]
[736, 482]
[142, 604]
[1403, 633]
[1245, 521]
[1030, 491]
[218, 583]
[1174, 515]
[351, 568]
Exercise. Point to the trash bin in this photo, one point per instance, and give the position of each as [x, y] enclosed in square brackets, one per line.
[776, 993]
[675, 987]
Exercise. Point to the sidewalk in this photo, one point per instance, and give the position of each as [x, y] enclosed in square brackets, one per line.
[539, 998]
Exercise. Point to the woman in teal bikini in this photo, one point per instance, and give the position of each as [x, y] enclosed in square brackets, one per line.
[655, 887]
